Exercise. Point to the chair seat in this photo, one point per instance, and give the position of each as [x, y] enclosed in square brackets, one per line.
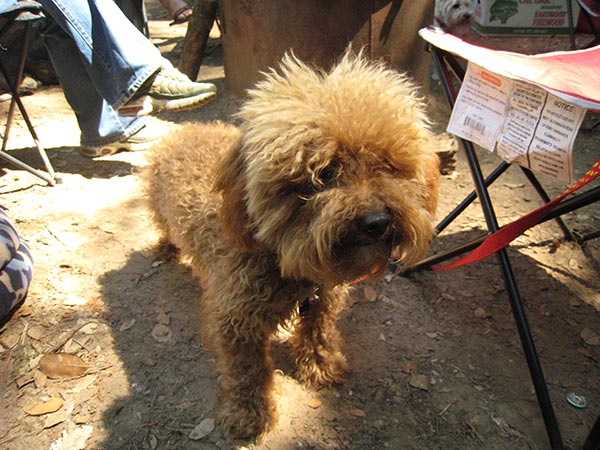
[592, 7]
[20, 10]
[572, 75]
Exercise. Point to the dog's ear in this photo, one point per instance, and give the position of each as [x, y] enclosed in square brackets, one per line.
[230, 181]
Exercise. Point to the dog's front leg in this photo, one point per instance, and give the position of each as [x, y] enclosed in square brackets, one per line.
[317, 344]
[247, 409]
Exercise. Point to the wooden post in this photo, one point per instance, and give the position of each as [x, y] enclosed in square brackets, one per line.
[256, 34]
[194, 44]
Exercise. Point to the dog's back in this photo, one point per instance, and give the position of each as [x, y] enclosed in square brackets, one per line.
[179, 183]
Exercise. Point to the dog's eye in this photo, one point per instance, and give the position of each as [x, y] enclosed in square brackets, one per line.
[455, 6]
[328, 174]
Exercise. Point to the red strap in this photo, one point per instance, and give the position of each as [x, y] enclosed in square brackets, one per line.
[511, 231]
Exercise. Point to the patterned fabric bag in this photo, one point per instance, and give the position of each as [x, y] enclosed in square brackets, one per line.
[16, 267]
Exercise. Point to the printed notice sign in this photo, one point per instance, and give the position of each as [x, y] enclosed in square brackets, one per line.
[521, 122]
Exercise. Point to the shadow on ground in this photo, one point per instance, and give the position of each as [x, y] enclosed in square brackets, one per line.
[436, 357]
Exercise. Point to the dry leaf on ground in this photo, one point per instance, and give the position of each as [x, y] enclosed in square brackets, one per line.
[370, 293]
[60, 416]
[419, 382]
[314, 403]
[358, 412]
[202, 430]
[409, 367]
[162, 333]
[589, 337]
[43, 407]
[62, 365]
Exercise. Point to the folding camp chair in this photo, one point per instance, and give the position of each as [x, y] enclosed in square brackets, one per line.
[17, 16]
[541, 71]
[590, 10]
[135, 10]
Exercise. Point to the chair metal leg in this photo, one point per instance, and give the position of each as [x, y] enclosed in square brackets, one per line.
[469, 199]
[527, 343]
[533, 362]
[593, 440]
[535, 368]
[544, 196]
[566, 206]
[571, 24]
[50, 177]
[574, 203]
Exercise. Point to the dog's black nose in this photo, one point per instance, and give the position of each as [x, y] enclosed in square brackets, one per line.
[373, 225]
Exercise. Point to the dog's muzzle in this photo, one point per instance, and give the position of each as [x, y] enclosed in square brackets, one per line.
[365, 249]
[371, 227]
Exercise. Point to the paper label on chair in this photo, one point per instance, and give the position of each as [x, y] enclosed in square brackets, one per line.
[480, 107]
[521, 122]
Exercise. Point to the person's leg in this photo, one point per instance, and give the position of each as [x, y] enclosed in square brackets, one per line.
[100, 124]
[179, 10]
[126, 69]
[104, 128]
[117, 57]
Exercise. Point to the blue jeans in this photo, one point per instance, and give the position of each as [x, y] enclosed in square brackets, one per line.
[101, 60]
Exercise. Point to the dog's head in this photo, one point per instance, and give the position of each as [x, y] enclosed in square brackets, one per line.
[454, 16]
[333, 171]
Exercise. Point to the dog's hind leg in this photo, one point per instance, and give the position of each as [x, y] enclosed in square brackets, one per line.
[317, 344]
[166, 251]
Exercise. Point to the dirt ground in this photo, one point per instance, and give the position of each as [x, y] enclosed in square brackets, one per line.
[437, 362]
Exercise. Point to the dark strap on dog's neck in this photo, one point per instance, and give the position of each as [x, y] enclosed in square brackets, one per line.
[308, 302]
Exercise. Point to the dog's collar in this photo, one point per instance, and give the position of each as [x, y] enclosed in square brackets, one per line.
[315, 297]
[309, 301]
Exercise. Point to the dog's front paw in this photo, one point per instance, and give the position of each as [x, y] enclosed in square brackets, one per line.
[321, 369]
[247, 421]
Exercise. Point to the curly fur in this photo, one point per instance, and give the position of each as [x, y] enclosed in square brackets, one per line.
[328, 174]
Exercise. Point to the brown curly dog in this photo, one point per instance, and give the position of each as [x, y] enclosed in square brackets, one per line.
[329, 174]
